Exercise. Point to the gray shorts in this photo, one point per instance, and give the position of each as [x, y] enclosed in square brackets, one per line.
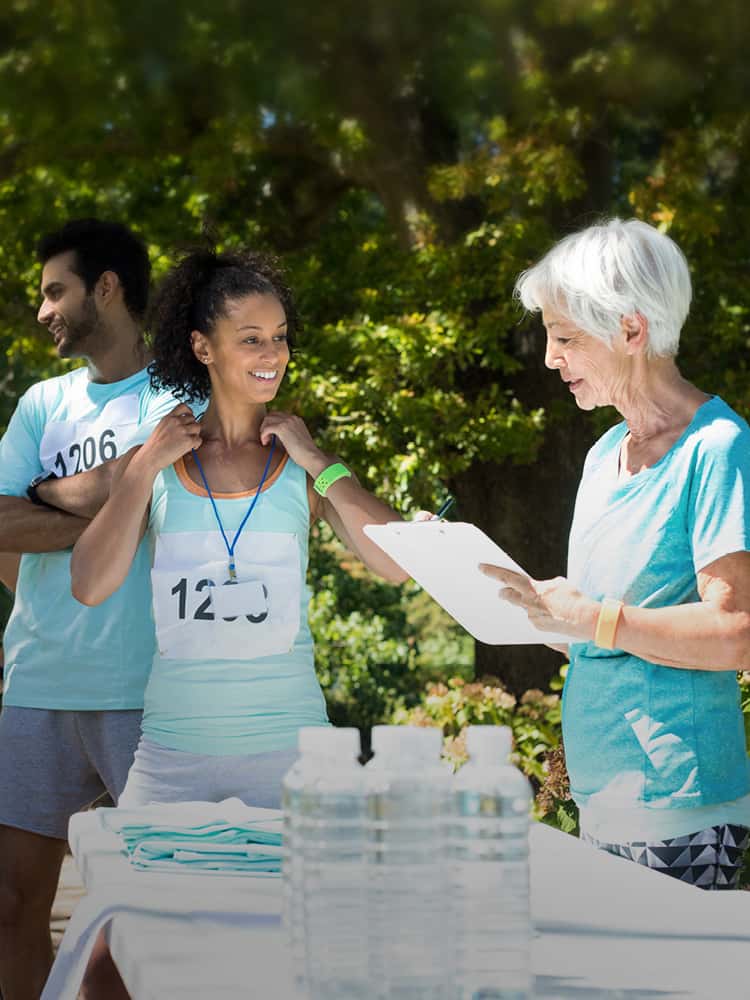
[160, 774]
[54, 763]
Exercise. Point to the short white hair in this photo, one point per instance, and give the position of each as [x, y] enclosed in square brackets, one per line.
[614, 269]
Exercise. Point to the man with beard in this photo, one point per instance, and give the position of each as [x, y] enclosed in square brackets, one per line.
[74, 676]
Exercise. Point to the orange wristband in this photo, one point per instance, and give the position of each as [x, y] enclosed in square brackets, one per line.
[607, 622]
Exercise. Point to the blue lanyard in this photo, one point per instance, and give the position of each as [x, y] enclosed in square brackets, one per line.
[230, 548]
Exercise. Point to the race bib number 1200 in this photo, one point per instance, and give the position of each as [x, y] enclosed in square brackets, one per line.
[202, 615]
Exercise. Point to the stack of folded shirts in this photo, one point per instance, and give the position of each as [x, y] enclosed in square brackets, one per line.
[218, 837]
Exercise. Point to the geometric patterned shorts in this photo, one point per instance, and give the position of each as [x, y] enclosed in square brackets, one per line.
[709, 859]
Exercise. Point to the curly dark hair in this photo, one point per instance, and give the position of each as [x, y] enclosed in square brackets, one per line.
[193, 296]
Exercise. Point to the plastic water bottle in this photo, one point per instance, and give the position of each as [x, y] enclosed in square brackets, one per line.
[329, 839]
[291, 863]
[409, 799]
[489, 843]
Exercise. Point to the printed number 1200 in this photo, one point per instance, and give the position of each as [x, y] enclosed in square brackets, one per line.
[202, 613]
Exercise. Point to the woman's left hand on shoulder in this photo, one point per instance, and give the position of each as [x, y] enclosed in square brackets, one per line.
[292, 432]
[552, 605]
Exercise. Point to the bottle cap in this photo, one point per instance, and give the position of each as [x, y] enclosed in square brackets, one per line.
[329, 740]
[420, 741]
[489, 742]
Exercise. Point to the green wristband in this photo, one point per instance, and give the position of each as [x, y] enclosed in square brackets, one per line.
[329, 476]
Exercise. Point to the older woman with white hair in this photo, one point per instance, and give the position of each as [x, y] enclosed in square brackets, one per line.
[657, 597]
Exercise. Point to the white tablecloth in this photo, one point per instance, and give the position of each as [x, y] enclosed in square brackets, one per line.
[605, 927]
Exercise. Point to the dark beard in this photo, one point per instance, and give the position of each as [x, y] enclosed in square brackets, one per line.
[80, 332]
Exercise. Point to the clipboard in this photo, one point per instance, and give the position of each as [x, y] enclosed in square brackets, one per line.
[443, 558]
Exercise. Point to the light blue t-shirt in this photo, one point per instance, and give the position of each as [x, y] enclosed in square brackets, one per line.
[242, 680]
[58, 653]
[644, 740]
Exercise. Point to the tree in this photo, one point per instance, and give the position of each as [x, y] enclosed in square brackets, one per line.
[408, 159]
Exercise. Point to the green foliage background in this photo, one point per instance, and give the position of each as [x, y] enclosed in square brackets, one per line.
[408, 159]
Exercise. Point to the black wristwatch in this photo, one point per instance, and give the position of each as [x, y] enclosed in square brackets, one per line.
[31, 492]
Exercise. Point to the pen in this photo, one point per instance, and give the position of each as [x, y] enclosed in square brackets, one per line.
[445, 507]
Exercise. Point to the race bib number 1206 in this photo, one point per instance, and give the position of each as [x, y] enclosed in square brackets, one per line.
[72, 446]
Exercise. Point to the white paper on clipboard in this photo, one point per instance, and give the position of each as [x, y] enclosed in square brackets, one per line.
[443, 557]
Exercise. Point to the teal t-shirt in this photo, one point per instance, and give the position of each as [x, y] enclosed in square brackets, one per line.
[640, 737]
[58, 653]
[239, 679]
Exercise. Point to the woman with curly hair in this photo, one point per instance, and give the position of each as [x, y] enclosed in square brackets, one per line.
[227, 501]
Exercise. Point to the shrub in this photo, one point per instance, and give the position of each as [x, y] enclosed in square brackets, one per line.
[371, 662]
[534, 720]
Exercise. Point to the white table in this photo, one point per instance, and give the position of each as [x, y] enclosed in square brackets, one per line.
[606, 928]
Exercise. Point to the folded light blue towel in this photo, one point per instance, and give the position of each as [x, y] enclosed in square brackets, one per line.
[164, 854]
[234, 839]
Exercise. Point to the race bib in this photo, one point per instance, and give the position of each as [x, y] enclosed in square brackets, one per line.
[200, 614]
[71, 446]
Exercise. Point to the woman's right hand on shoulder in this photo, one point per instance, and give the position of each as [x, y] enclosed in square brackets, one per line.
[173, 437]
